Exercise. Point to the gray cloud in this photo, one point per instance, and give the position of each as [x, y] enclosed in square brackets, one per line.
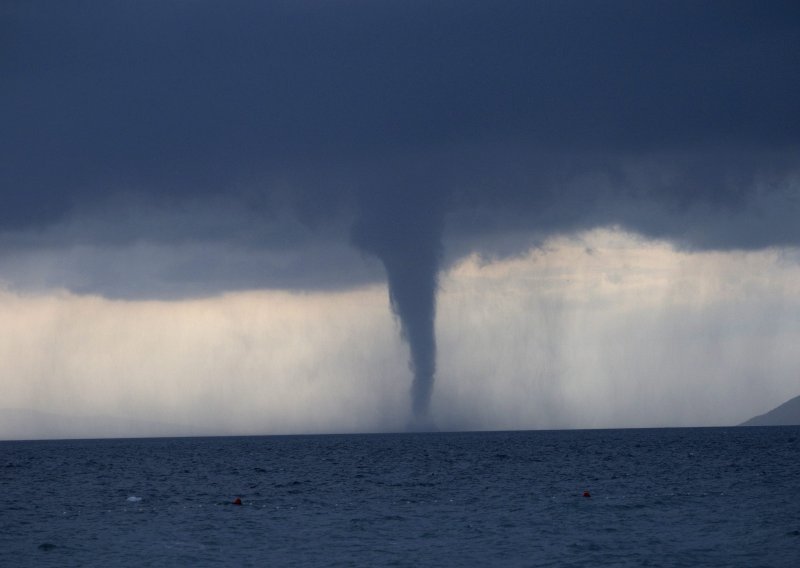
[549, 116]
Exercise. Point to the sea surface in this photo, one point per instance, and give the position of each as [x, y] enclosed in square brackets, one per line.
[659, 497]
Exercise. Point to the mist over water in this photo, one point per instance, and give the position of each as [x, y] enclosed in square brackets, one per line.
[633, 334]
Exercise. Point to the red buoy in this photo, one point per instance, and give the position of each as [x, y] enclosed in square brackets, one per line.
[237, 501]
[586, 493]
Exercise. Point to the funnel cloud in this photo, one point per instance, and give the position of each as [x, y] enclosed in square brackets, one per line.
[403, 228]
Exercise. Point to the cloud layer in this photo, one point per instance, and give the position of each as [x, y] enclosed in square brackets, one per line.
[275, 126]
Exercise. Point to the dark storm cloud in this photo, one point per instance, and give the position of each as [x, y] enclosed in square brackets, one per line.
[183, 101]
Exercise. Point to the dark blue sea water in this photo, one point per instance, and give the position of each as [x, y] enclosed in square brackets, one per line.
[663, 497]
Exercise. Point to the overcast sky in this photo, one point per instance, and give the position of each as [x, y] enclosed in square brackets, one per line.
[285, 216]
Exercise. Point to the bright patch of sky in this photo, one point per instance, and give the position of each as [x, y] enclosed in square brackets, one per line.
[603, 329]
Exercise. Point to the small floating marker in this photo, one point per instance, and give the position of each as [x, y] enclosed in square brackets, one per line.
[237, 501]
[47, 546]
[586, 493]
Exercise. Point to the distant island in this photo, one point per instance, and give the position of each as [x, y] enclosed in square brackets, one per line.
[787, 414]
